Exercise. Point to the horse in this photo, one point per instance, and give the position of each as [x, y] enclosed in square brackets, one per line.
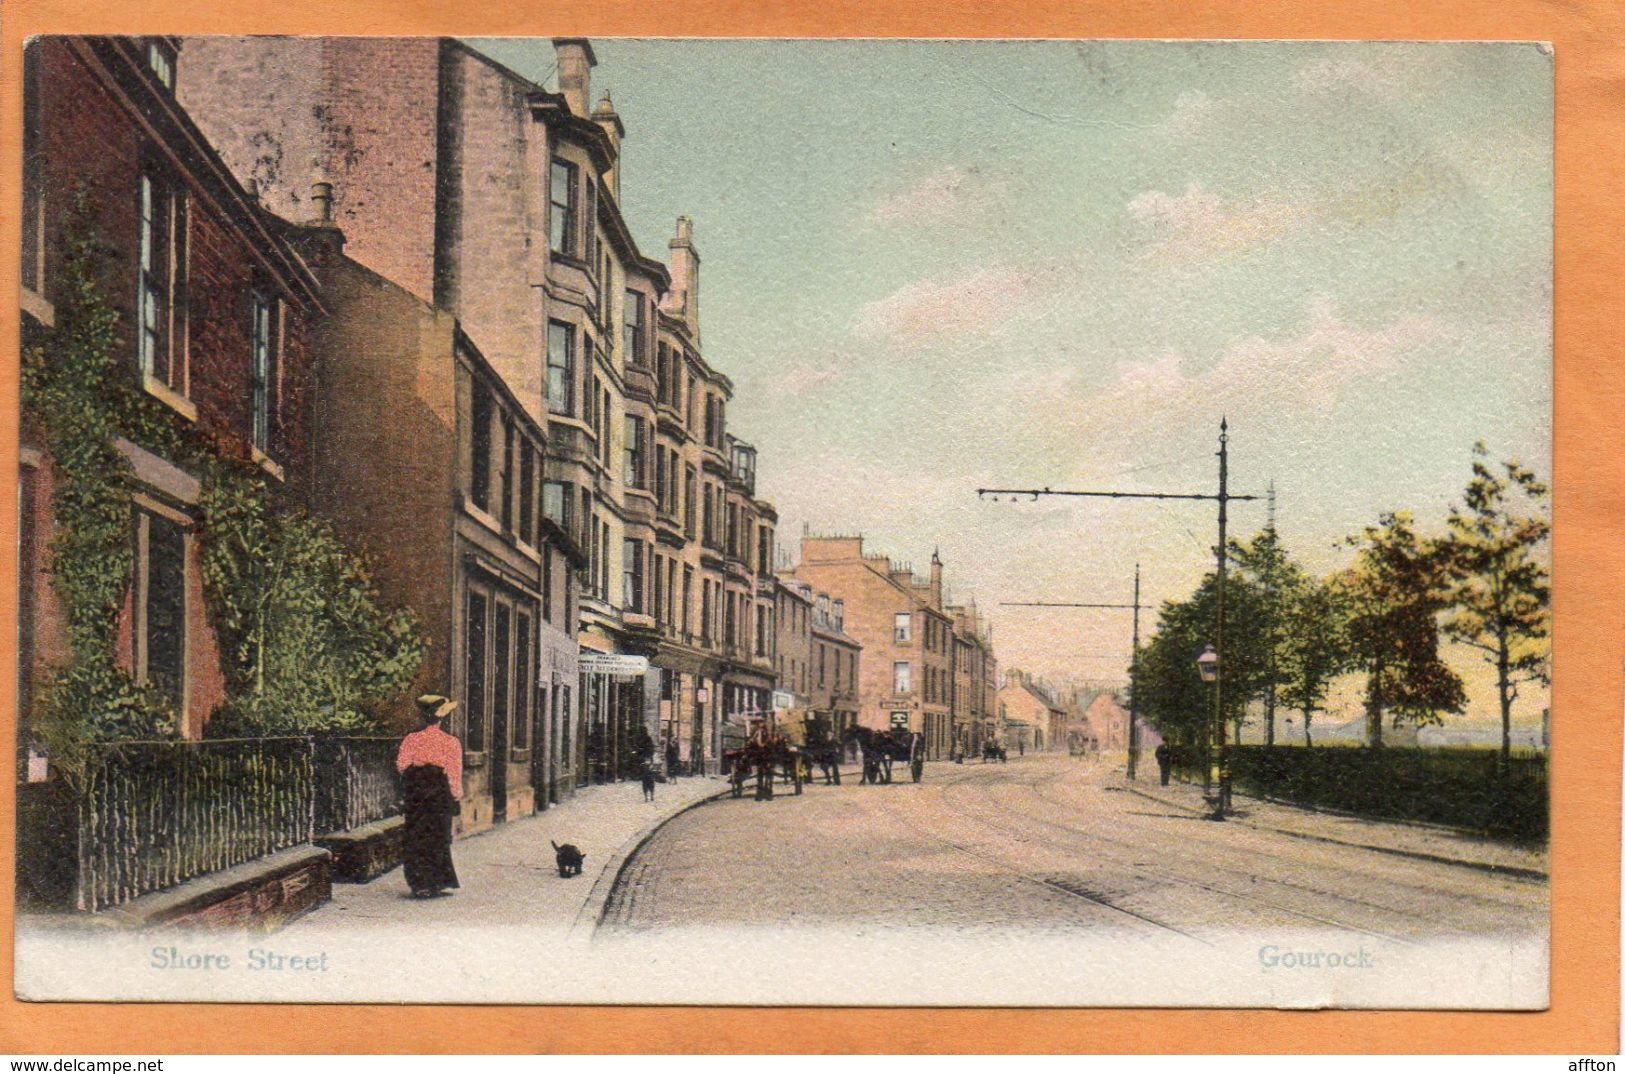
[881, 748]
[876, 752]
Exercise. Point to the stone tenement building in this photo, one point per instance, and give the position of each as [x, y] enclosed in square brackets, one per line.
[214, 313]
[497, 201]
[1030, 716]
[907, 675]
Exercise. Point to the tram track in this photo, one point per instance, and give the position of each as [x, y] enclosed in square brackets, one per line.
[1144, 871]
[1458, 895]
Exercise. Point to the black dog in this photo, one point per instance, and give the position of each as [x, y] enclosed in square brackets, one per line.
[569, 857]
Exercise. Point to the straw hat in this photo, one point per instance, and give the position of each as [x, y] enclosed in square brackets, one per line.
[436, 706]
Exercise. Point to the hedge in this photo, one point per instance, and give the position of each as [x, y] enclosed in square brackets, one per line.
[1460, 787]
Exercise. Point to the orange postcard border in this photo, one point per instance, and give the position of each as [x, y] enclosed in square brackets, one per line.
[1589, 502]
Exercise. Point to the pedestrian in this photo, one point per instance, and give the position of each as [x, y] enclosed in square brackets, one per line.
[1165, 761]
[647, 774]
[430, 762]
[672, 757]
[1021, 748]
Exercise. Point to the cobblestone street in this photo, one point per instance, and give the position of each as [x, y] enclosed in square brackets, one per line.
[1050, 842]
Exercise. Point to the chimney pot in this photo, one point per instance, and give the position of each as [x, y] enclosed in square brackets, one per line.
[321, 195]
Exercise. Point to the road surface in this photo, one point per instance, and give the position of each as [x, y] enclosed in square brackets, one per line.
[1044, 842]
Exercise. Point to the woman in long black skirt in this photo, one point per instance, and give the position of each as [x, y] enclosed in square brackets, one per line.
[430, 762]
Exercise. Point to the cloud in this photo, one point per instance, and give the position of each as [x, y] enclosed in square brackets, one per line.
[798, 379]
[1301, 376]
[945, 194]
[1193, 112]
[929, 311]
[1385, 74]
[1199, 223]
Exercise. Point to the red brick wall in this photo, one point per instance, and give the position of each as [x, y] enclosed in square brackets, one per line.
[379, 123]
[93, 139]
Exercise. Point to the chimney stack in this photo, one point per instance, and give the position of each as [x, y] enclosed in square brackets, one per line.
[604, 115]
[321, 196]
[575, 63]
[685, 275]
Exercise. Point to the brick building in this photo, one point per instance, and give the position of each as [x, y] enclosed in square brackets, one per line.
[498, 201]
[833, 666]
[974, 674]
[214, 312]
[905, 680]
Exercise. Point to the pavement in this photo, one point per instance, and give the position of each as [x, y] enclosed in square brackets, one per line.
[1425, 842]
[508, 873]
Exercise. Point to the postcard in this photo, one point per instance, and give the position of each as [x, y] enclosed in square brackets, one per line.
[1092, 551]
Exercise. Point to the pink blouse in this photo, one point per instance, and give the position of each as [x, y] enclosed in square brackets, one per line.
[433, 746]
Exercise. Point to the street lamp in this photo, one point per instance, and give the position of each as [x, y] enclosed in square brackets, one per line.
[1208, 665]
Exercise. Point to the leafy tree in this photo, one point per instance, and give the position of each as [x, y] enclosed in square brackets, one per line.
[1499, 584]
[1277, 583]
[305, 642]
[1172, 694]
[1315, 648]
[1395, 593]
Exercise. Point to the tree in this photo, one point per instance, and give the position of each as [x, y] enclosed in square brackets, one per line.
[1395, 593]
[1315, 648]
[1172, 694]
[306, 644]
[71, 393]
[1499, 583]
[1277, 583]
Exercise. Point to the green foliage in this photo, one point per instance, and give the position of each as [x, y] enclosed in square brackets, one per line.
[1498, 581]
[1460, 787]
[1315, 648]
[1172, 694]
[1395, 593]
[305, 642]
[66, 386]
[1277, 583]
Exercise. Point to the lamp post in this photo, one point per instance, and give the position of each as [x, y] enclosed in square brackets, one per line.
[1207, 665]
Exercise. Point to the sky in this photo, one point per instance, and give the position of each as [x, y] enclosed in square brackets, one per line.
[933, 267]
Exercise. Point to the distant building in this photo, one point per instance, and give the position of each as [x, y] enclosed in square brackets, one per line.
[906, 632]
[1030, 716]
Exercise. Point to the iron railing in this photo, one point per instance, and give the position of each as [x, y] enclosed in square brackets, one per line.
[151, 815]
[356, 782]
